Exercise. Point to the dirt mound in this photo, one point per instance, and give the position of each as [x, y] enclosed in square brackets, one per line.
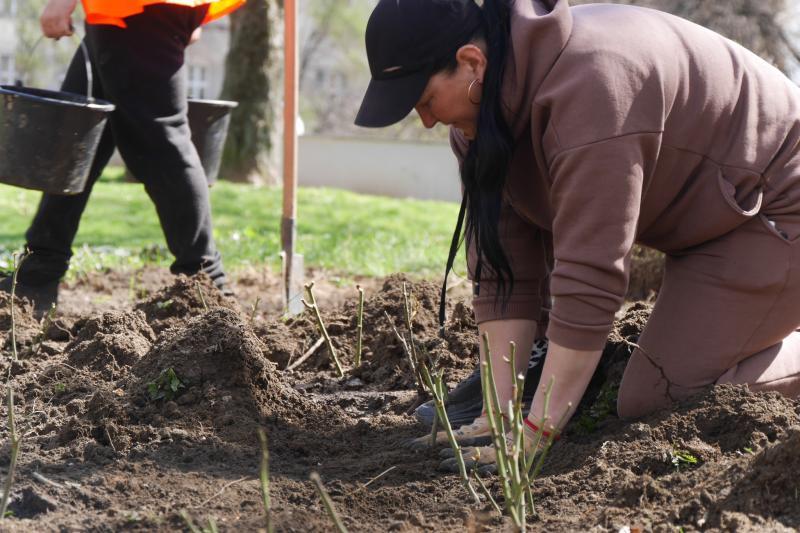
[720, 451]
[281, 343]
[385, 364]
[185, 298]
[26, 326]
[213, 372]
[769, 484]
[110, 343]
[175, 431]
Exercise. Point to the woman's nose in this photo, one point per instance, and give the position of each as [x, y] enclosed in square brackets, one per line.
[427, 119]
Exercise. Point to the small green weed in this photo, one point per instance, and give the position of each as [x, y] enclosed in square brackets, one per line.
[166, 386]
[680, 458]
[603, 407]
[165, 304]
[60, 388]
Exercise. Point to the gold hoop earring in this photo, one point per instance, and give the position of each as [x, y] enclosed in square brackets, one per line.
[469, 91]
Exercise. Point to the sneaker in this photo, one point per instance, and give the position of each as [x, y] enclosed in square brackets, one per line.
[43, 297]
[465, 402]
[475, 434]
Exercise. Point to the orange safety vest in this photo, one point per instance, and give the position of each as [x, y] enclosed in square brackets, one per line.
[114, 11]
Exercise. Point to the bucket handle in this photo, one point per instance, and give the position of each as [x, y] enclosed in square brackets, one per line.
[87, 61]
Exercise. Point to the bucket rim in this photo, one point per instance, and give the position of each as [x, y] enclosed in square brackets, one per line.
[95, 104]
[214, 103]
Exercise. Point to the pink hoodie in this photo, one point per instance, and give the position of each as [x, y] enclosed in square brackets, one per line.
[632, 125]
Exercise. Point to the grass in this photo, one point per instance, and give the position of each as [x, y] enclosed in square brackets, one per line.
[351, 234]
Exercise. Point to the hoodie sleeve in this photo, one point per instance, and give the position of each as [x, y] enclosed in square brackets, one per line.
[528, 248]
[596, 196]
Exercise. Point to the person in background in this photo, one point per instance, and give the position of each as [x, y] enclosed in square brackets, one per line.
[581, 131]
[137, 50]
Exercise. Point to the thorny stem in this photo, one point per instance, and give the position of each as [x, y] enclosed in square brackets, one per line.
[418, 362]
[550, 440]
[359, 324]
[18, 260]
[15, 445]
[254, 310]
[514, 462]
[313, 307]
[487, 493]
[407, 351]
[407, 314]
[436, 387]
[498, 437]
[264, 476]
[327, 502]
[202, 297]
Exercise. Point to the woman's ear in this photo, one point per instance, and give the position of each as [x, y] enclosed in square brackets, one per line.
[472, 58]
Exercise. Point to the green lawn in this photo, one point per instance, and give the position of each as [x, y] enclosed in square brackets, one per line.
[345, 232]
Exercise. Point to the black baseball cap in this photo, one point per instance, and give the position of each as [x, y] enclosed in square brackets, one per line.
[406, 40]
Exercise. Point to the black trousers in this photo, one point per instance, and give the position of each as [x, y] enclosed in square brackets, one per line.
[141, 70]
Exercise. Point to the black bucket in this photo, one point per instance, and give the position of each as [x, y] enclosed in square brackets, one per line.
[209, 121]
[48, 139]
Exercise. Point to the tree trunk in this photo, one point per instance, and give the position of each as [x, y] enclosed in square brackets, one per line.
[251, 78]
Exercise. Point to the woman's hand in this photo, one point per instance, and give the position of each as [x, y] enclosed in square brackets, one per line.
[570, 371]
[56, 19]
[501, 333]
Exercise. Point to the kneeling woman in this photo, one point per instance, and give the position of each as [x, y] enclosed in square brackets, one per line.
[583, 130]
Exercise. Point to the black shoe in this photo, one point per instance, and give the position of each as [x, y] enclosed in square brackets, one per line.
[43, 297]
[465, 402]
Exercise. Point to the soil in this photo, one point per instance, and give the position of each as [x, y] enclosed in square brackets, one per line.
[142, 401]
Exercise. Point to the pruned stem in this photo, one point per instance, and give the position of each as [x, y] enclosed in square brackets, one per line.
[434, 428]
[202, 296]
[254, 311]
[359, 325]
[264, 476]
[15, 445]
[409, 325]
[436, 387]
[327, 502]
[18, 260]
[487, 493]
[312, 306]
[414, 368]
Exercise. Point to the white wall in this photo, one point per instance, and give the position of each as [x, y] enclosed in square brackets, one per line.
[390, 168]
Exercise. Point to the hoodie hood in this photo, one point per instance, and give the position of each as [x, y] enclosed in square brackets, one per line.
[538, 36]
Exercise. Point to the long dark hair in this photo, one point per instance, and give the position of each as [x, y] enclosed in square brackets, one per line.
[485, 167]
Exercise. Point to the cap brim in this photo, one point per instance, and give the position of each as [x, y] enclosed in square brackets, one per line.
[387, 102]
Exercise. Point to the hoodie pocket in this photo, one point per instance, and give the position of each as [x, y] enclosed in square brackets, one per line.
[742, 190]
[713, 201]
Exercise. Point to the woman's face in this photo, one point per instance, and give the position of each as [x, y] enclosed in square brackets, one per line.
[447, 98]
